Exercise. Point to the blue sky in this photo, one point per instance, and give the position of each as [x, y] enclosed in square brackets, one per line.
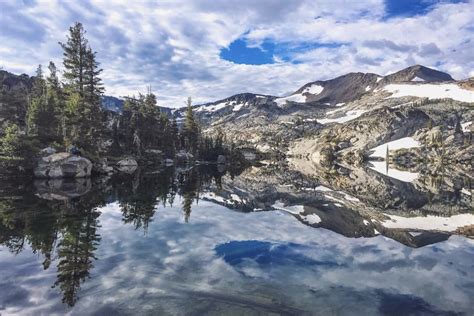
[210, 49]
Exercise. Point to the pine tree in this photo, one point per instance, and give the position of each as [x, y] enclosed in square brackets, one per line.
[82, 120]
[41, 114]
[53, 80]
[174, 133]
[93, 87]
[75, 55]
[190, 129]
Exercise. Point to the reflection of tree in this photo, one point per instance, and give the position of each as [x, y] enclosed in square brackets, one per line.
[28, 220]
[187, 202]
[66, 229]
[192, 181]
[138, 201]
[76, 253]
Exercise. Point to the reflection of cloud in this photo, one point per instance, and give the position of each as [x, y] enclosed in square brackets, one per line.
[174, 269]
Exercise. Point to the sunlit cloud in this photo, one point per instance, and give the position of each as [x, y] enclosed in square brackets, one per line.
[188, 48]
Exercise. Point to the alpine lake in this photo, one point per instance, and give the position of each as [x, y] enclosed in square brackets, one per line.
[205, 240]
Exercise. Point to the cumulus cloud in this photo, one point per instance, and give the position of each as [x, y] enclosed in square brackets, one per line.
[175, 46]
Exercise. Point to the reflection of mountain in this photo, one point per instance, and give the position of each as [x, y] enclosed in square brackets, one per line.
[246, 260]
[358, 204]
[60, 221]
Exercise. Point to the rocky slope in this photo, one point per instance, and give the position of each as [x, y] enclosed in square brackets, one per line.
[349, 106]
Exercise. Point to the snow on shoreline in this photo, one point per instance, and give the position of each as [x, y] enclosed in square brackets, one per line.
[383, 168]
[297, 210]
[402, 143]
[432, 91]
[430, 222]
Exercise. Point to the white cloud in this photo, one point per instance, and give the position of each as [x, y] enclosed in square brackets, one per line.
[174, 46]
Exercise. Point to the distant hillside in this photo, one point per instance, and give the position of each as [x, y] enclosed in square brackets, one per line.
[112, 103]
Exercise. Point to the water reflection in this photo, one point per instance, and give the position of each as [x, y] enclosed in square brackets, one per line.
[61, 217]
[81, 229]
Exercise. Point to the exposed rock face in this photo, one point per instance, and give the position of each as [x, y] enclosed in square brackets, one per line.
[127, 165]
[417, 73]
[47, 151]
[183, 156]
[63, 165]
[341, 89]
[62, 189]
[14, 91]
[271, 124]
[102, 167]
[168, 162]
[221, 159]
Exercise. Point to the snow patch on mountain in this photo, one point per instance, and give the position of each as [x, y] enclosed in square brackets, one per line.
[465, 126]
[212, 108]
[418, 79]
[238, 107]
[299, 98]
[313, 89]
[350, 115]
[432, 91]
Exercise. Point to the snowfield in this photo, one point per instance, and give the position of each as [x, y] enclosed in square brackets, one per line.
[350, 115]
[418, 79]
[465, 126]
[212, 108]
[238, 107]
[313, 89]
[300, 97]
[405, 143]
[432, 91]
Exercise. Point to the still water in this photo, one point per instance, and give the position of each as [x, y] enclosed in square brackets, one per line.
[203, 241]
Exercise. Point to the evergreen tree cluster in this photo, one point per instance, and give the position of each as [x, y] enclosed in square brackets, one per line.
[63, 114]
[142, 126]
[68, 113]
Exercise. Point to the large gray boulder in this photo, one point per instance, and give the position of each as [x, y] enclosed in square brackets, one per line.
[102, 167]
[62, 189]
[127, 165]
[47, 151]
[221, 159]
[63, 165]
[183, 156]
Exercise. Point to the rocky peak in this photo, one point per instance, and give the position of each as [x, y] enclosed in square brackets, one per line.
[417, 73]
[342, 89]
